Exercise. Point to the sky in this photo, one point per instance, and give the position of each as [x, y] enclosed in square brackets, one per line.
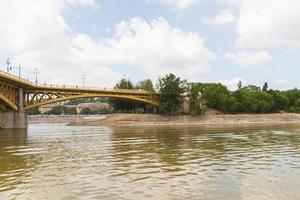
[224, 41]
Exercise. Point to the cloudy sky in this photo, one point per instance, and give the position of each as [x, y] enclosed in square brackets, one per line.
[200, 40]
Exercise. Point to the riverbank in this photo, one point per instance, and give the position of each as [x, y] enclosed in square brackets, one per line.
[159, 120]
[63, 118]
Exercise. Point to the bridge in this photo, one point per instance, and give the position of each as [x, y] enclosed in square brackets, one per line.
[18, 95]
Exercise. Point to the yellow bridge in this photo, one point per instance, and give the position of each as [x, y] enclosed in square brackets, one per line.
[19, 94]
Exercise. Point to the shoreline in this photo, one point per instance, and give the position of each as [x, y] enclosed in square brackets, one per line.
[233, 120]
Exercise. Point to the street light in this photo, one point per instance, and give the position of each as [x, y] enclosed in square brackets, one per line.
[19, 68]
[8, 64]
[36, 72]
[83, 79]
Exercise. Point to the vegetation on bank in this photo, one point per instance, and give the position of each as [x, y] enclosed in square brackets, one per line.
[174, 92]
[177, 96]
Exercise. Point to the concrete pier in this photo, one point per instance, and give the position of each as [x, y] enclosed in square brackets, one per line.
[12, 119]
[15, 119]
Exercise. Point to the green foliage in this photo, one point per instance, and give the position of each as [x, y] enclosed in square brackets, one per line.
[219, 97]
[265, 87]
[171, 89]
[197, 103]
[120, 105]
[87, 111]
[146, 85]
[34, 111]
[62, 110]
[253, 100]
[85, 100]
[280, 100]
[294, 109]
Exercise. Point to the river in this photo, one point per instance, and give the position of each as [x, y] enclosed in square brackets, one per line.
[54, 161]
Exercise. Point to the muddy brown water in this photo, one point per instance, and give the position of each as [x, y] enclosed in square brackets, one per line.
[54, 161]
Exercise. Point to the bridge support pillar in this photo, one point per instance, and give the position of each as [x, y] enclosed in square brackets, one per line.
[15, 119]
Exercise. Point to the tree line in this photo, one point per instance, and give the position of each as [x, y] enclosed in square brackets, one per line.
[177, 95]
[174, 92]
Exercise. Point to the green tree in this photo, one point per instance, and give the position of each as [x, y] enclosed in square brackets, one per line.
[123, 105]
[171, 89]
[253, 100]
[240, 85]
[62, 110]
[265, 87]
[34, 111]
[87, 111]
[148, 86]
[280, 100]
[219, 97]
[197, 103]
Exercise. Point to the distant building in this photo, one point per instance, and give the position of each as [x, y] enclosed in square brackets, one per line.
[92, 106]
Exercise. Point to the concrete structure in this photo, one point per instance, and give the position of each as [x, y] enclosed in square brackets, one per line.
[14, 119]
[18, 95]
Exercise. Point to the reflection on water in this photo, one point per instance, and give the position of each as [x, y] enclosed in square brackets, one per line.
[53, 161]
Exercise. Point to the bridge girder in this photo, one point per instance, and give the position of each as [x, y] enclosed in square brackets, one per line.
[9, 95]
[17, 93]
[35, 98]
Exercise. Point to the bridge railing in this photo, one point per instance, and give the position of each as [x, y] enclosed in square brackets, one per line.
[57, 86]
[14, 77]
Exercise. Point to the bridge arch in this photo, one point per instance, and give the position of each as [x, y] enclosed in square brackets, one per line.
[83, 96]
[8, 103]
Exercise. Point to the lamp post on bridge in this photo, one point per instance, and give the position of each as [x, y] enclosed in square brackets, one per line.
[36, 72]
[9, 67]
[8, 64]
[83, 77]
[19, 68]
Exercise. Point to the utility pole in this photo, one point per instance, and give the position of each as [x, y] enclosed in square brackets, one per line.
[8, 64]
[83, 79]
[19, 71]
[36, 72]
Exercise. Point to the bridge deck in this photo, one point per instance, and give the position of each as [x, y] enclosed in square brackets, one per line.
[35, 95]
[28, 85]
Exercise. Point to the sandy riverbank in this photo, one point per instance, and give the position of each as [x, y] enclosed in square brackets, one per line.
[158, 120]
[63, 118]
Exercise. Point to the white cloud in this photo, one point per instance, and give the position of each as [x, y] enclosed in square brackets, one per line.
[38, 36]
[232, 83]
[249, 58]
[159, 48]
[282, 81]
[223, 17]
[177, 4]
[266, 23]
[82, 2]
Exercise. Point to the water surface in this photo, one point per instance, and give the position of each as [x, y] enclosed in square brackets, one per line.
[53, 161]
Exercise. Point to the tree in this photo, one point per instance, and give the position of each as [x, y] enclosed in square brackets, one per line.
[253, 100]
[265, 87]
[171, 90]
[196, 103]
[240, 85]
[87, 111]
[123, 105]
[34, 111]
[219, 97]
[62, 110]
[148, 86]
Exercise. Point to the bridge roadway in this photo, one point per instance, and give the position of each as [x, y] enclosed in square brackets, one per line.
[17, 95]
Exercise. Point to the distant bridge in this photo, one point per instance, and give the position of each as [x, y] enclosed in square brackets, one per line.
[17, 95]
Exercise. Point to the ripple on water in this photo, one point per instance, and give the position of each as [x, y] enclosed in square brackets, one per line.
[53, 161]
